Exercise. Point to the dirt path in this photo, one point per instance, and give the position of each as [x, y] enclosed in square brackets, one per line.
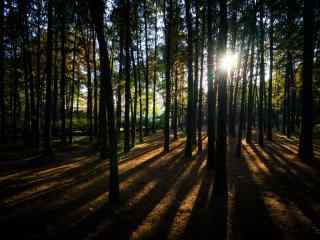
[271, 195]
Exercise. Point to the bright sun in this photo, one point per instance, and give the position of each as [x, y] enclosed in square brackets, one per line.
[229, 61]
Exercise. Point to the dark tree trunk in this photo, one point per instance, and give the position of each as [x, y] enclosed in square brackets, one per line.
[250, 95]
[221, 145]
[127, 83]
[2, 100]
[135, 101]
[74, 60]
[95, 85]
[175, 110]
[38, 70]
[47, 126]
[270, 111]
[89, 85]
[211, 88]
[306, 146]
[63, 75]
[120, 77]
[155, 72]
[167, 77]
[243, 99]
[261, 84]
[97, 10]
[55, 87]
[190, 106]
[146, 119]
[30, 110]
[201, 84]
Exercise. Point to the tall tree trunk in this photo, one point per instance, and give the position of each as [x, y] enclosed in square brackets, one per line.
[2, 98]
[127, 83]
[305, 145]
[221, 145]
[89, 85]
[270, 111]
[250, 94]
[155, 72]
[38, 70]
[95, 85]
[261, 83]
[201, 84]
[120, 77]
[55, 87]
[167, 77]
[47, 124]
[211, 88]
[196, 71]
[146, 119]
[135, 101]
[175, 104]
[63, 75]
[97, 9]
[74, 60]
[30, 111]
[243, 98]
[190, 106]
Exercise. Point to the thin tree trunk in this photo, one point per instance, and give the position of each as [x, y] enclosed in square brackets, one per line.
[270, 111]
[47, 127]
[146, 120]
[167, 78]
[2, 97]
[63, 76]
[155, 72]
[190, 106]
[261, 84]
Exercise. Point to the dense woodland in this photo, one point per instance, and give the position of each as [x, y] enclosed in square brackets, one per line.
[117, 78]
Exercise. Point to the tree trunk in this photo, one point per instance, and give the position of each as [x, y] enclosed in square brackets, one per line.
[97, 10]
[190, 106]
[146, 119]
[127, 83]
[305, 145]
[63, 75]
[47, 126]
[270, 111]
[211, 88]
[2, 99]
[167, 77]
[261, 84]
[155, 72]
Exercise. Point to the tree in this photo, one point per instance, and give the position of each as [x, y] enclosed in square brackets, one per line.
[270, 111]
[47, 126]
[262, 75]
[168, 22]
[211, 90]
[305, 145]
[190, 106]
[146, 117]
[127, 82]
[2, 104]
[221, 145]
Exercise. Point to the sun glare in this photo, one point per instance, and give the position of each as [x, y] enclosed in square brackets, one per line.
[229, 62]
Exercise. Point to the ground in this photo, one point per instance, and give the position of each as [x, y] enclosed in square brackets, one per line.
[272, 194]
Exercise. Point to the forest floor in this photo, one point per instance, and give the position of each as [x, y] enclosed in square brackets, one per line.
[271, 195]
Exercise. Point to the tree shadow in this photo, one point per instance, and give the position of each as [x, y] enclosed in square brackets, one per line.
[289, 183]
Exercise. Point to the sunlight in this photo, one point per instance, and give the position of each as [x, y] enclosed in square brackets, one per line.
[229, 61]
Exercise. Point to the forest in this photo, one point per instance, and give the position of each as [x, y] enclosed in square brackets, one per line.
[160, 119]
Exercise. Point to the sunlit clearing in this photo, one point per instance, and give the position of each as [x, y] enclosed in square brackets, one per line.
[229, 62]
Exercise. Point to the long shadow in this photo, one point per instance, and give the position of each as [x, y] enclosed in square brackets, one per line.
[182, 191]
[70, 173]
[252, 218]
[45, 215]
[198, 225]
[292, 188]
[134, 216]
